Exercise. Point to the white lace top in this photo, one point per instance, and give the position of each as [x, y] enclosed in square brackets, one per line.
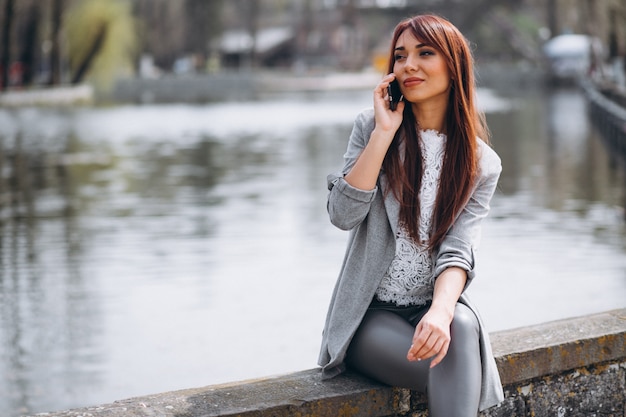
[409, 280]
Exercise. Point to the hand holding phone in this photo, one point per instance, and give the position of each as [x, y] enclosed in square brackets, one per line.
[394, 93]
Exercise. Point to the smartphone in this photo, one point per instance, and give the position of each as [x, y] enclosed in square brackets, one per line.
[394, 93]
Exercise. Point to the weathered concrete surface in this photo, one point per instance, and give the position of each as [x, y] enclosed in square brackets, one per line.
[584, 392]
[567, 368]
[559, 346]
[298, 394]
[598, 391]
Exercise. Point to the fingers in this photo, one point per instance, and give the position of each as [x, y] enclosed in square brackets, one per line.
[442, 354]
[425, 348]
[380, 92]
[387, 119]
[381, 88]
[437, 347]
[429, 342]
[388, 78]
[400, 105]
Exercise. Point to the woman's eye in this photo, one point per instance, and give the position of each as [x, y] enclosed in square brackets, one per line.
[427, 53]
[399, 57]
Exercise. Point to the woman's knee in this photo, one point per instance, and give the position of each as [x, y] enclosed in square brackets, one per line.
[465, 323]
[460, 370]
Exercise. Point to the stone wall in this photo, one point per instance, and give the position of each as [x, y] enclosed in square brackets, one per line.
[568, 368]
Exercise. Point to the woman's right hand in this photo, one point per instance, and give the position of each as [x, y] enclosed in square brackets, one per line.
[387, 120]
[364, 173]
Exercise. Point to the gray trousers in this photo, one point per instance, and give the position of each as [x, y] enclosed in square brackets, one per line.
[381, 343]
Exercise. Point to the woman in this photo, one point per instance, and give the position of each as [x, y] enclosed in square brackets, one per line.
[416, 184]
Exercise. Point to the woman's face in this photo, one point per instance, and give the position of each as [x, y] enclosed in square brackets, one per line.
[421, 71]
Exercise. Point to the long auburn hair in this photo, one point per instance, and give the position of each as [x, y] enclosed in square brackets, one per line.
[463, 124]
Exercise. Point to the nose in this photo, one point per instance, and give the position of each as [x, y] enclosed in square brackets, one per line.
[412, 64]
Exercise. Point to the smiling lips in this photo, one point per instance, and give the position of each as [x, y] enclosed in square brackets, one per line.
[412, 81]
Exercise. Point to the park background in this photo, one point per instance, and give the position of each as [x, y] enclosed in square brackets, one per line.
[167, 229]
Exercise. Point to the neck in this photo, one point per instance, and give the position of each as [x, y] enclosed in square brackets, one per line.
[431, 115]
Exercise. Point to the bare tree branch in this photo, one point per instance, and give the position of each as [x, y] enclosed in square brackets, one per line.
[87, 61]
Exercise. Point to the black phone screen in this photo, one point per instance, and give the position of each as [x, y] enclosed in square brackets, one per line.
[393, 90]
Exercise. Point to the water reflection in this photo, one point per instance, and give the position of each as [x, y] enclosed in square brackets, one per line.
[153, 248]
[550, 150]
[554, 245]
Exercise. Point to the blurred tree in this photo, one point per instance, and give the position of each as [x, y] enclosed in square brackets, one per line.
[55, 39]
[477, 10]
[30, 42]
[5, 63]
[551, 11]
[203, 25]
[352, 54]
[161, 29]
[94, 39]
[168, 30]
[101, 40]
[511, 34]
[304, 26]
[250, 10]
[215, 29]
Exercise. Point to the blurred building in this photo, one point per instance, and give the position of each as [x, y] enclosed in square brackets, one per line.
[586, 37]
[196, 36]
[272, 47]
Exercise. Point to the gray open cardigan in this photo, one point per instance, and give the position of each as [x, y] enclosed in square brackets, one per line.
[372, 221]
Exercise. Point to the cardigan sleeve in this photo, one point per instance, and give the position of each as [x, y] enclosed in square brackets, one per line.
[348, 206]
[461, 242]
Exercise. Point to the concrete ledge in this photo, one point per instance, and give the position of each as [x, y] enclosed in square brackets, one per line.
[53, 96]
[574, 367]
[559, 346]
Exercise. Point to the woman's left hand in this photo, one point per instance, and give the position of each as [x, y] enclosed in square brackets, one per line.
[431, 337]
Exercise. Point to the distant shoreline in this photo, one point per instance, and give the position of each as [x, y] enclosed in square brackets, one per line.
[242, 85]
[62, 95]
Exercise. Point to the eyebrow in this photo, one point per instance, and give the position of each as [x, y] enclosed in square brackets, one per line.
[402, 48]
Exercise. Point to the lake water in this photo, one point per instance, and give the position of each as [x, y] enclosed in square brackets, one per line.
[154, 248]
